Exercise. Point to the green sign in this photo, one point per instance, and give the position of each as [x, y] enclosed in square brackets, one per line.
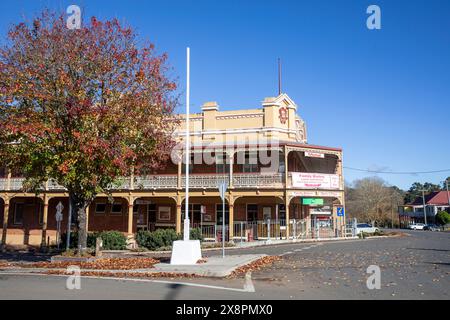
[313, 201]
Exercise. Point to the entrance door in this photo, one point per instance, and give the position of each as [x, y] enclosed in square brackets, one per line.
[252, 212]
[151, 213]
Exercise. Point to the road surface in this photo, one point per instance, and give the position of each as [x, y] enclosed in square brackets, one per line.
[416, 266]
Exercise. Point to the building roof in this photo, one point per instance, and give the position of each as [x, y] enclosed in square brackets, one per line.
[434, 198]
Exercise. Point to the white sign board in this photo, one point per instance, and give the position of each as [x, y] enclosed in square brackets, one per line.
[305, 180]
[314, 154]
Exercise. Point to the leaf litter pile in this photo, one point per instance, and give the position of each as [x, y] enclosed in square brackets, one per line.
[255, 265]
[125, 274]
[99, 264]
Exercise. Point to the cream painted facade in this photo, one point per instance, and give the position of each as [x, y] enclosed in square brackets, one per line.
[258, 192]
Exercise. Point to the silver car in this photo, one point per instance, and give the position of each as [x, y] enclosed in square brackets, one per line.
[366, 228]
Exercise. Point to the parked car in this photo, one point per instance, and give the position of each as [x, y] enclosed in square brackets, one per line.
[417, 226]
[366, 227]
[432, 227]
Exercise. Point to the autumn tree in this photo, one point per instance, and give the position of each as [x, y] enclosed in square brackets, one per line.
[83, 107]
[372, 199]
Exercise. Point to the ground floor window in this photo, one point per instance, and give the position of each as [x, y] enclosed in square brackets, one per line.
[18, 213]
[100, 208]
[195, 212]
[219, 215]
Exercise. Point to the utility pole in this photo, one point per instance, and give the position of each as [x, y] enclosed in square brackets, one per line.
[448, 193]
[424, 207]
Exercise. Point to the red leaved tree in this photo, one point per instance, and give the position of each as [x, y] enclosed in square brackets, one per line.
[82, 107]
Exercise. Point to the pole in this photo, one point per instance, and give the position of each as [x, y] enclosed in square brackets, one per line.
[448, 194]
[279, 76]
[424, 207]
[392, 212]
[69, 224]
[223, 227]
[188, 149]
[276, 222]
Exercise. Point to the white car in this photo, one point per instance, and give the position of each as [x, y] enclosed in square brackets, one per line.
[417, 226]
[366, 228]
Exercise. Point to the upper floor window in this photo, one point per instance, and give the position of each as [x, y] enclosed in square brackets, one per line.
[250, 162]
[221, 163]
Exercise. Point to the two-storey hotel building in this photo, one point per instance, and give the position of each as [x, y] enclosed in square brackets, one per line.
[278, 185]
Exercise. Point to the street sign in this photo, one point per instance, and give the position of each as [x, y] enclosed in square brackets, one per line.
[222, 190]
[312, 201]
[58, 218]
[59, 209]
[340, 211]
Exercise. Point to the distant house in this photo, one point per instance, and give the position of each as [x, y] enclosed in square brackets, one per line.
[434, 202]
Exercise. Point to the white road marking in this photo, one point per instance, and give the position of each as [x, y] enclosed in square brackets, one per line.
[248, 285]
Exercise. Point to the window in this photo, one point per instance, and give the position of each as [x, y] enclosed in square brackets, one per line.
[194, 212]
[18, 213]
[219, 215]
[40, 213]
[250, 162]
[191, 164]
[164, 213]
[100, 208]
[117, 208]
[221, 163]
[281, 212]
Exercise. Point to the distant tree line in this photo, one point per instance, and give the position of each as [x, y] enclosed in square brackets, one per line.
[372, 199]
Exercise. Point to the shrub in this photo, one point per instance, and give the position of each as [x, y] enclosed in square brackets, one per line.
[378, 233]
[196, 234]
[92, 236]
[443, 217]
[156, 239]
[113, 240]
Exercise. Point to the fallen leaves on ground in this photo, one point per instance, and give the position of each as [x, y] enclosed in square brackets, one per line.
[125, 274]
[255, 265]
[4, 264]
[99, 264]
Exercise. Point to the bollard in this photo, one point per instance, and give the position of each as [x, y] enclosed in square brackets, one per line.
[98, 247]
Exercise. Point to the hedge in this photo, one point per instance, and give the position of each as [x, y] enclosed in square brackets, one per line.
[112, 240]
[163, 238]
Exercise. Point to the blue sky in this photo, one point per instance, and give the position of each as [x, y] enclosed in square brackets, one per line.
[381, 95]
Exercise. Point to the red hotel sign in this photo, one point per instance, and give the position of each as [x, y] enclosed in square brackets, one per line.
[305, 180]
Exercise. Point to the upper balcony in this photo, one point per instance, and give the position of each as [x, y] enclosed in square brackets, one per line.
[306, 170]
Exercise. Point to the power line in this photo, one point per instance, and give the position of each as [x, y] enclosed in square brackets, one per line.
[397, 172]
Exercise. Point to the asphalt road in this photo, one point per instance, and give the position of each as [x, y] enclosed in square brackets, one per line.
[416, 266]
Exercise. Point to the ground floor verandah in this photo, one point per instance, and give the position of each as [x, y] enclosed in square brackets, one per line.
[30, 220]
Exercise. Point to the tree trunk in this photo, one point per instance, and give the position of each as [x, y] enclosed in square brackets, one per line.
[79, 206]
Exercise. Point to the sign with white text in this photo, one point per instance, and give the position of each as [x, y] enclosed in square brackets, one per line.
[314, 154]
[304, 180]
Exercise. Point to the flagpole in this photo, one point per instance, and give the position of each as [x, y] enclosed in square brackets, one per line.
[187, 150]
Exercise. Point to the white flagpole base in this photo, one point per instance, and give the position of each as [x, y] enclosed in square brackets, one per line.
[186, 252]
